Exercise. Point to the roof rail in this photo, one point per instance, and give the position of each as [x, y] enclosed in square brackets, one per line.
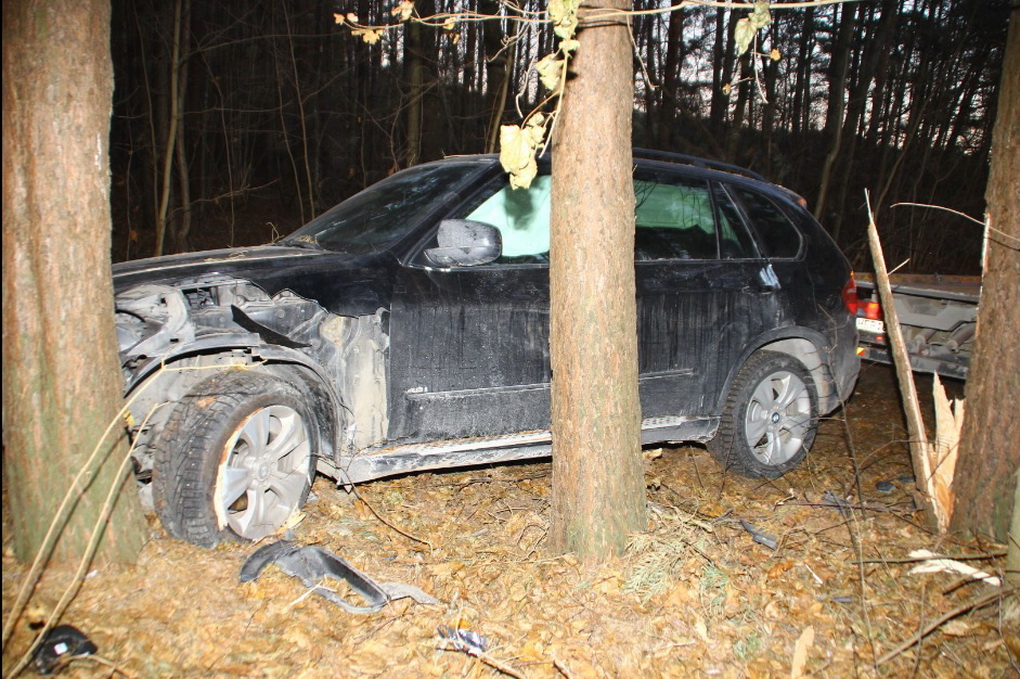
[651, 154]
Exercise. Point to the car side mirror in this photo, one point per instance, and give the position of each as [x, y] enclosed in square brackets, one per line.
[462, 242]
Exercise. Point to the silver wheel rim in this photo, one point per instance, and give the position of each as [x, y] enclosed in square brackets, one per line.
[265, 472]
[778, 418]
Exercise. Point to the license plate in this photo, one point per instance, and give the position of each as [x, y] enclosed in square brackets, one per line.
[871, 325]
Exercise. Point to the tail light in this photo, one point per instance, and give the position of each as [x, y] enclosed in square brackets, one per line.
[850, 295]
[869, 309]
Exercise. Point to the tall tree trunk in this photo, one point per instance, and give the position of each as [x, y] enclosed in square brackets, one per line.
[182, 230]
[722, 69]
[670, 101]
[415, 59]
[497, 72]
[61, 380]
[176, 100]
[424, 120]
[989, 459]
[833, 132]
[801, 108]
[598, 475]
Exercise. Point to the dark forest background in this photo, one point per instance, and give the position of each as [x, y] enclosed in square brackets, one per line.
[235, 122]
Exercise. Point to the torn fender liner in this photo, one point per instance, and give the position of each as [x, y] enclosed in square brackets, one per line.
[311, 563]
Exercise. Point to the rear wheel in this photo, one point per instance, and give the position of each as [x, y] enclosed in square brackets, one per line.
[235, 459]
[770, 417]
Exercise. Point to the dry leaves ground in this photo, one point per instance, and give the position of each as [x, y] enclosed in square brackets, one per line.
[696, 595]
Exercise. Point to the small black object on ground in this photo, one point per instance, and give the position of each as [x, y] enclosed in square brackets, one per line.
[59, 645]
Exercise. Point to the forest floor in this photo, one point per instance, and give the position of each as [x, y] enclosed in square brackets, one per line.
[695, 595]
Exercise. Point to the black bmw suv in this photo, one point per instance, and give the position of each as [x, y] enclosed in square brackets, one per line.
[407, 329]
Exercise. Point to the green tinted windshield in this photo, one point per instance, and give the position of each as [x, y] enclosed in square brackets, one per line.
[385, 212]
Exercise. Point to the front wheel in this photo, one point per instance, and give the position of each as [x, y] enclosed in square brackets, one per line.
[769, 419]
[235, 459]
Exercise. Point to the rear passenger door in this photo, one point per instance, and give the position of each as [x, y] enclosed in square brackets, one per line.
[704, 290]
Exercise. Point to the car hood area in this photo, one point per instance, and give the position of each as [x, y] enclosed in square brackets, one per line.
[258, 299]
[250, 262]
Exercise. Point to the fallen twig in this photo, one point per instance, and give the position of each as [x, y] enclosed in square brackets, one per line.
[492, 662]
[387, 523]
[979, 602]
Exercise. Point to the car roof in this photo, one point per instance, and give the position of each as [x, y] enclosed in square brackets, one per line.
[704, 167]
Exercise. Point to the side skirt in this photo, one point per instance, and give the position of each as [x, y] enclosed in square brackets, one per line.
[415, 457]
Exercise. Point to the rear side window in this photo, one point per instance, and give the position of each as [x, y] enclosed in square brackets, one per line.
[734, 240]
[776, 233]
[674, 220]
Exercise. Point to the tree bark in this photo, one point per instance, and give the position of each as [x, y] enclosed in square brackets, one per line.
[598, 476]
[61, 380]
[989, 460]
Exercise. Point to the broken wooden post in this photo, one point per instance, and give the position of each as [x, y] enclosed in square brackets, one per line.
[919, 448]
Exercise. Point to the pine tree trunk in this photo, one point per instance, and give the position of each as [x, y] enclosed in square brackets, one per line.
[598, 475]
[61, 378]
[989, 461]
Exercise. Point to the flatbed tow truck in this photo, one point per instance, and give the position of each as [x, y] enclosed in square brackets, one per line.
[938, 315]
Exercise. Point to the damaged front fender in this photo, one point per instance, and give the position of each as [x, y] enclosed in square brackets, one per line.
[172, 336]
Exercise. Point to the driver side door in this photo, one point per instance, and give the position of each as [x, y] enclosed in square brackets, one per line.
[469, 346]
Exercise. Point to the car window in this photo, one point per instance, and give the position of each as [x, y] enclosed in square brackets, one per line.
[776, 233]
[522, 217]
[674, 220]
[384, 212]
[734, 240]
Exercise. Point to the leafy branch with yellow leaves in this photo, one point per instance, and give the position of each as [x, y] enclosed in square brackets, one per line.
[521, 144]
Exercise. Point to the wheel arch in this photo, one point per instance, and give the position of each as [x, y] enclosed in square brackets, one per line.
[167, 380]
[805, 345]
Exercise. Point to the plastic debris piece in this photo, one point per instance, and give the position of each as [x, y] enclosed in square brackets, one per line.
[60, 644]
[465, 640]
[311, 564]
[885, 486]
[758, 536]
[843, 599]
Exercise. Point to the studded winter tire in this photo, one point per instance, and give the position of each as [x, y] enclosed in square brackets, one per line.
[770, 417]
[235, 459]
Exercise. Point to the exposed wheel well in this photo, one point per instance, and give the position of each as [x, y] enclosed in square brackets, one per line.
[176, 379]
[817, 366]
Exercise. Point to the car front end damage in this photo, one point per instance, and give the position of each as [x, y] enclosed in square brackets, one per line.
[174, 337]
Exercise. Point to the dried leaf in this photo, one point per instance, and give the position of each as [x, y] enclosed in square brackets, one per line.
[517, 148]
[956, 628]
[563, 15]
[404, 10]
[800, 651]
[549, 68]
[368, 35]
[748, 26]
[778, 569]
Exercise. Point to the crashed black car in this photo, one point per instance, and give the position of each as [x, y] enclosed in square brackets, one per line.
[407, 329]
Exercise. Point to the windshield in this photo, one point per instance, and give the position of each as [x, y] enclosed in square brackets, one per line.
[384, 212]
